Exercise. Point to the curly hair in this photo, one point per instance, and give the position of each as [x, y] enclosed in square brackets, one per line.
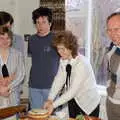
[67, 39]
[42, 11]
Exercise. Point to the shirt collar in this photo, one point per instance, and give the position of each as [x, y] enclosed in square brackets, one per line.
[71, 61]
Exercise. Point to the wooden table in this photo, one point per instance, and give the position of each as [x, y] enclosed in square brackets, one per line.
[10, 111]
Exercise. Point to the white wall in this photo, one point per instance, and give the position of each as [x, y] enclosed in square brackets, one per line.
[24, 15]
[25, 26]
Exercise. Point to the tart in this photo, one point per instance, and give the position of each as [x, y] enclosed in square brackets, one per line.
[41, 114]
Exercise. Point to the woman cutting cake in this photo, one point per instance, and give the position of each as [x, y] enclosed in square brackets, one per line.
[75, 81]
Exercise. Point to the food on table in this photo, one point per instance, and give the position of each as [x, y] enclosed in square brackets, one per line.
[41, 114]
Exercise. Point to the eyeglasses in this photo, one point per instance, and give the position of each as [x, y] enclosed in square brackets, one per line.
[113, 30]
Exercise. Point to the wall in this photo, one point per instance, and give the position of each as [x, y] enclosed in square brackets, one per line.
[24, 17]
[25, 26]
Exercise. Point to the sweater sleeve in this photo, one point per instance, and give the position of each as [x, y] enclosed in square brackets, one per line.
[57, 83]
[20, 73]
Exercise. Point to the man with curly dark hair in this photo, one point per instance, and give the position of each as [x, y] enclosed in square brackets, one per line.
[44, 57]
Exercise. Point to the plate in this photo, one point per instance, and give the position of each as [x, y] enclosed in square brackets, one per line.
[38, 111]
[53, 117]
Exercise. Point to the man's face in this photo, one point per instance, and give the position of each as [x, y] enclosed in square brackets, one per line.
[113, 29]
[43, 25]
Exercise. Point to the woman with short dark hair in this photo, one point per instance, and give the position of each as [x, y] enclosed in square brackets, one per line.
[6, 20]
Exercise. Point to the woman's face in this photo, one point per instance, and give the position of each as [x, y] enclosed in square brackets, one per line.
[5, 41]
[64, 52]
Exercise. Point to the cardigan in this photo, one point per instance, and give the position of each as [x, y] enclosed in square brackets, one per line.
[113, 87]
[15, 64]
[82, 88]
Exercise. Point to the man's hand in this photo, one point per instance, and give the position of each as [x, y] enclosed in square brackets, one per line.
[118, 86]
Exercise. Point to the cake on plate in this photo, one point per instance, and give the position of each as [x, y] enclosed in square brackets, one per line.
[41, 114]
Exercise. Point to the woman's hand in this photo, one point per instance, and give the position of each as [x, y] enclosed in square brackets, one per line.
[10, 78]
[4, 91]
[1, 80]
[7, 80]
[49, 106]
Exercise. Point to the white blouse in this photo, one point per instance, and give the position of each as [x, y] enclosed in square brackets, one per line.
[82, 88]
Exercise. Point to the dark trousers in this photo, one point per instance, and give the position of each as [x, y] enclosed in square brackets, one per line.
[75, 110]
